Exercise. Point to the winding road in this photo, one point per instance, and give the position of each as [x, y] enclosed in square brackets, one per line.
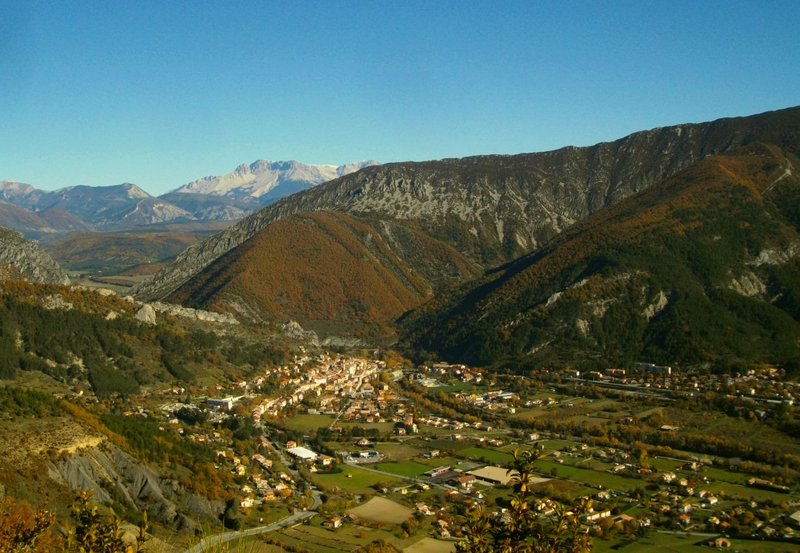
[217, 539]
[291, 520]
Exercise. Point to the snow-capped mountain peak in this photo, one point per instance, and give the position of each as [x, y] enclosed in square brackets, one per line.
[263, 179]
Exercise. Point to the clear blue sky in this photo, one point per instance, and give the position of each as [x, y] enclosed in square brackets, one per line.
[160, 93]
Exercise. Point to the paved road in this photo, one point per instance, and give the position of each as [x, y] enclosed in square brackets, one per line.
[217, 539]
[399, 476]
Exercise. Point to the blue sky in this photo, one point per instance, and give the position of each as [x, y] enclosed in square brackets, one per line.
[160, 93]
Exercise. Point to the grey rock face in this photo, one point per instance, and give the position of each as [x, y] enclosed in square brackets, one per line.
[108, 470]
[20, 257]
[196, 314]
[146, 314]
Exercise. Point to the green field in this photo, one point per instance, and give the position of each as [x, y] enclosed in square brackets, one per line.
[746, 492]
[395, 451]
[661, 463]
[562, 488]
[588, 420]
[557, 445]
[530, 413]
[722, 475]
[588, 476]
[491, 455]
[308, 423]
[382, 427]
[359, 480]
[438, 462]
[458, 386]
[406, 468]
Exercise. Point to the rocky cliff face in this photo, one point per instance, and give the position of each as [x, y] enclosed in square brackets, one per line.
[67, 456]
[113, 475]
[23, 258]
[496, 208]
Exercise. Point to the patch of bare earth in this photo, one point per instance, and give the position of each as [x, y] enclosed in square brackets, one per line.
[383, 510]
[21, 439]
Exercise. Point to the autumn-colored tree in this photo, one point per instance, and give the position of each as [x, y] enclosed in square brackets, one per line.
[94, 532]
[522, 529]
[25, 530]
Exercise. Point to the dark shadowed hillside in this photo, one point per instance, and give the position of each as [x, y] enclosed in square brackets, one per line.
[702, 267]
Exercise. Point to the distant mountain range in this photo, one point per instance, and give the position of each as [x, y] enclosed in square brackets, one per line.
[266, 181]
[677, 244]
[229, 197]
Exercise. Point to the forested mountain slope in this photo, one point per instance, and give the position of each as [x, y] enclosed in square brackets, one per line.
[493, 209]
[328, 268]
[702, 267]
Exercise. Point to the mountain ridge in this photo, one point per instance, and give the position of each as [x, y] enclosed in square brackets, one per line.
[125, 206]
[495, 208]
[700, 268]
[21, 258]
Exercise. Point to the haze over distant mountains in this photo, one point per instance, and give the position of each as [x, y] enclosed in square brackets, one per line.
[36, 212]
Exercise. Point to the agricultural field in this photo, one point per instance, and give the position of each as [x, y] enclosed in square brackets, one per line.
[384, 510]
[491, 455]
[317, 539]
[308, 423]
[399, 451]
[464, 387]
[382, 427]
[680, 542]
[664, 464]
[587, 476]
[745, 493]
[430, 545]
[352, 479]
[409, 469]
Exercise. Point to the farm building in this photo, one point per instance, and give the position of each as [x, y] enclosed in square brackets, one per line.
[302, 453]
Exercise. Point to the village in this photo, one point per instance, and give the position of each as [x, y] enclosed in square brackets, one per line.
[407, 452]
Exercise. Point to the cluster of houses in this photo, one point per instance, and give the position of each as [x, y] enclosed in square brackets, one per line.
[493, 400]
[455, 371]
[764, 385]
[443, 422]
[353, 390]
[263, 483]
[330, 380]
